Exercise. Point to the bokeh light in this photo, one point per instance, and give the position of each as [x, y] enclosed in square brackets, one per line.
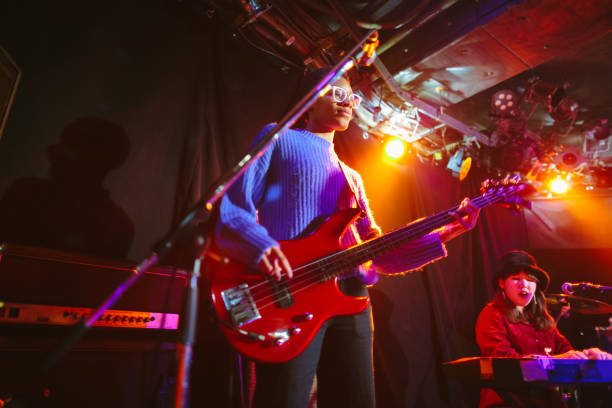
[558, 185]
[395, 148]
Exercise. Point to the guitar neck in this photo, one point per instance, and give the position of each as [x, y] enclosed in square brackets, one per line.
[344, 261]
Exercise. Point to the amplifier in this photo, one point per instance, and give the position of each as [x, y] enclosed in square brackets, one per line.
[20, 313]
[126, 360]
[39, 277]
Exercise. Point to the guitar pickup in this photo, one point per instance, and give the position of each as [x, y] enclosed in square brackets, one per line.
[282, 295]
[240, 305]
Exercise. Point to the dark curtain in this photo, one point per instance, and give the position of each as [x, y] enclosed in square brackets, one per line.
[189, 94]
[427, 317]
[138, 105]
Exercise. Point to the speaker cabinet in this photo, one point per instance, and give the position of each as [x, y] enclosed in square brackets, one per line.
[97, 372]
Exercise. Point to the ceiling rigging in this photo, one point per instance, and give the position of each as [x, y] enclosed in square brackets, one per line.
[518, 86]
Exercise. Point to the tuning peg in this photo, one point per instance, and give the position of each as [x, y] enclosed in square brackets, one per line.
[484, 186]
[514, 180]
[490, 186]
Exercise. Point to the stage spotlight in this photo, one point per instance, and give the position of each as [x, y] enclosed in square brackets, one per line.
[569, 159]
[395, 148]
[460, 163]
[555, 97]
[559, 185]
[564, 109]
[504, 103]
[550, 94]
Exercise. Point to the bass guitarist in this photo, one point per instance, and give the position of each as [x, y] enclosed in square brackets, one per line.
[287, 191]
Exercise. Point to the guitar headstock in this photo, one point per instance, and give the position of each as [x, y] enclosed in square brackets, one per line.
[511, 190]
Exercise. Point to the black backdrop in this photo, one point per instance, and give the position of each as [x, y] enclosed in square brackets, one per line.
[184, 95]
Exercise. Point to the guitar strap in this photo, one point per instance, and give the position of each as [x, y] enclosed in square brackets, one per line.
[352, 188]
[365, 274]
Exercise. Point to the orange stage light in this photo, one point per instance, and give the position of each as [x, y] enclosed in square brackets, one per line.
[559, 185]
[395, 148]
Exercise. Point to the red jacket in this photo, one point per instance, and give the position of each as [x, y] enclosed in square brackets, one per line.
[498, 337]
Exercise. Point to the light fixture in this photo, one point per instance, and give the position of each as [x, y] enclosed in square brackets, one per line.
[601, 130]
[569, 159]
[401, 124]
[460, 163]
[554, 96]
[395, 148]
[564, 109]
[505, 103]
[559, 184]
[597, 138]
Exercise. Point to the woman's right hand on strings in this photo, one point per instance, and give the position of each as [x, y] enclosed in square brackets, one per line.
[274, 263]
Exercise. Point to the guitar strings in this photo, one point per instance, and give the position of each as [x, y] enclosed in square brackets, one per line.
[333, 263]
[299, 289]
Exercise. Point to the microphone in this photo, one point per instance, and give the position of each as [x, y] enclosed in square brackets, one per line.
[569, 288]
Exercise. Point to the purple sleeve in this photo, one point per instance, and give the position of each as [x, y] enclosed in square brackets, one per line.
[238, 232]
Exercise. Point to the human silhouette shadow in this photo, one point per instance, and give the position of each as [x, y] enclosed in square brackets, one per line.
[71, 210]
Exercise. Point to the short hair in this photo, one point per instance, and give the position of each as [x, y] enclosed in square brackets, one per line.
[306, 83]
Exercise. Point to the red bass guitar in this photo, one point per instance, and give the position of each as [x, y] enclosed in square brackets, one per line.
[272, 321]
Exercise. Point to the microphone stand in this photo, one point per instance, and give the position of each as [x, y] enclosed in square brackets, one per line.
[200, 214]
[203, 208]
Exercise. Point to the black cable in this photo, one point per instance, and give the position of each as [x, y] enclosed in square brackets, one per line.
[272, 53]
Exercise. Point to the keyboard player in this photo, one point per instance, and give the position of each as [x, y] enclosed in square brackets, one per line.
[517, 324]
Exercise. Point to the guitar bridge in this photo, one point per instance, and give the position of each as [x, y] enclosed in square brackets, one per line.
[240, 305]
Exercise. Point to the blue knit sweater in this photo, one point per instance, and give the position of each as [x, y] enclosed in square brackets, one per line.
[289, 190]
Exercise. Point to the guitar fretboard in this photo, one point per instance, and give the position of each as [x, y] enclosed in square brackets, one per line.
[341, 262]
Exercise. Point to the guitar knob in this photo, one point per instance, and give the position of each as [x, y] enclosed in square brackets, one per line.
[306, 317]
[279, 341]
[294, 330]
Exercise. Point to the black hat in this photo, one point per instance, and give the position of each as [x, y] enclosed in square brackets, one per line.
[516, 261]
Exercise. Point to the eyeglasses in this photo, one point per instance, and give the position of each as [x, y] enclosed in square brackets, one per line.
[340, 95]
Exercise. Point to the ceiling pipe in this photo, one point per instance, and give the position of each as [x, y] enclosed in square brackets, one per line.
[290, 37]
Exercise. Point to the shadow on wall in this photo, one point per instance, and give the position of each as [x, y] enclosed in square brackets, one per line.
[71, 210]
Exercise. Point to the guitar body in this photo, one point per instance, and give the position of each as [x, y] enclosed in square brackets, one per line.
[286, 330]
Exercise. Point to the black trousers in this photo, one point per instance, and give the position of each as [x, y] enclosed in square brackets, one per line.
[341, 356]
